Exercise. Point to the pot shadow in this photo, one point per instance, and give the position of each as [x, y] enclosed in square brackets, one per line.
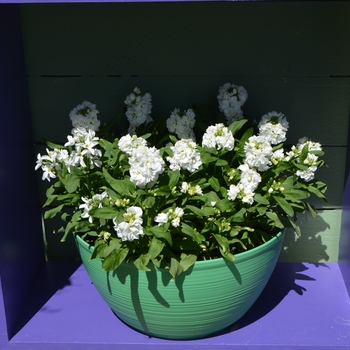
[283, 280]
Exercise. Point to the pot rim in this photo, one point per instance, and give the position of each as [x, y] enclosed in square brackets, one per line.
[240, 257]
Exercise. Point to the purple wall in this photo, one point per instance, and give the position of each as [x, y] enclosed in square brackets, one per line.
[21, 249]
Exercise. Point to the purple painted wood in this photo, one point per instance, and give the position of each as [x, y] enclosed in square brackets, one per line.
[303, 305]
[21, 249]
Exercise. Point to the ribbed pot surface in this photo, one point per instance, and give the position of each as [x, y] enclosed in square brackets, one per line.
[202, 301]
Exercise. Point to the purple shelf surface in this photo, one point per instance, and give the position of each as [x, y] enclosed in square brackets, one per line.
[304, 305]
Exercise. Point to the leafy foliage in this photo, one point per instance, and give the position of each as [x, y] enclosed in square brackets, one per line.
[201, 217]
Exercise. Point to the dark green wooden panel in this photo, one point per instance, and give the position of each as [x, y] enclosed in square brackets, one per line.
[215, 38]
[292, 57]
[315, 107]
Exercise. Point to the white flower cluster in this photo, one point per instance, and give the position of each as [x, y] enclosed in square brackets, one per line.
[273, 126]
[85, 116]
[185, 156]
[311, 159]
[129, 144]
[146, 163]
[173, 216]
[231, 99]
[91, 203]
[218, 136]
[248, 183]
[258, 152]
[84, 142]
[139, 109]
[182, 123]
[131, 228]
[191, 189]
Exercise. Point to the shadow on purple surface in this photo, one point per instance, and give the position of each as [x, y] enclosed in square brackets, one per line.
[283, 280]
[54, 277]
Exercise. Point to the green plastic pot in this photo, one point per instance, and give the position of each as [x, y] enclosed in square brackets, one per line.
[204, 300]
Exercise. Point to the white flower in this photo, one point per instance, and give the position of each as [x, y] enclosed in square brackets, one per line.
[139, 109]
[218, 136]
[175, 216]
[273, 126]
[258, 153]
[182, 123]
[162, 218]
[312, 146]
[48, 172]
[146, 165]
[42, 160]
[279, 156]
[190, 189]
[245, 194]
[231, 98]
[308, 174]
[85, 116]
[129, 143]
[131, 228]
[185, 156]
[90, 203]
[250, 178]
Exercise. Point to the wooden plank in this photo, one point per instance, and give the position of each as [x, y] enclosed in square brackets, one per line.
[217, 38]
[319, 241]
[315, 107]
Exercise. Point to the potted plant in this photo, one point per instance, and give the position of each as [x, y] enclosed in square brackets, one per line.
[181, 217]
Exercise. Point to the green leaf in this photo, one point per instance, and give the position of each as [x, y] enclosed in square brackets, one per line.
[214, 182]
[206, 211]
[207, 158]
[173, 139]
[53, 145]
[237, 125]
[141, 262]
[260, 199]
[223, 242]
[124, 187]
[114, 259]
[146, 136]
[189, 231]
[225, 205]
[304, 153]
[72, 183]
[149, 202]
[49, 214]
[317, 192]
[187, 261]
[103, 213]
[224, 247]
[161, 233]
[239, 216]
[99, 249]
[175, 268]
[155, 248]
[295, 195]
[311, 210]
[221, 162]
[69, 227]
[276, 220]
[284, 205]
[174, 178]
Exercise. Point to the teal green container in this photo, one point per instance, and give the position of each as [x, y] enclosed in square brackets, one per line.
[200, 302]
